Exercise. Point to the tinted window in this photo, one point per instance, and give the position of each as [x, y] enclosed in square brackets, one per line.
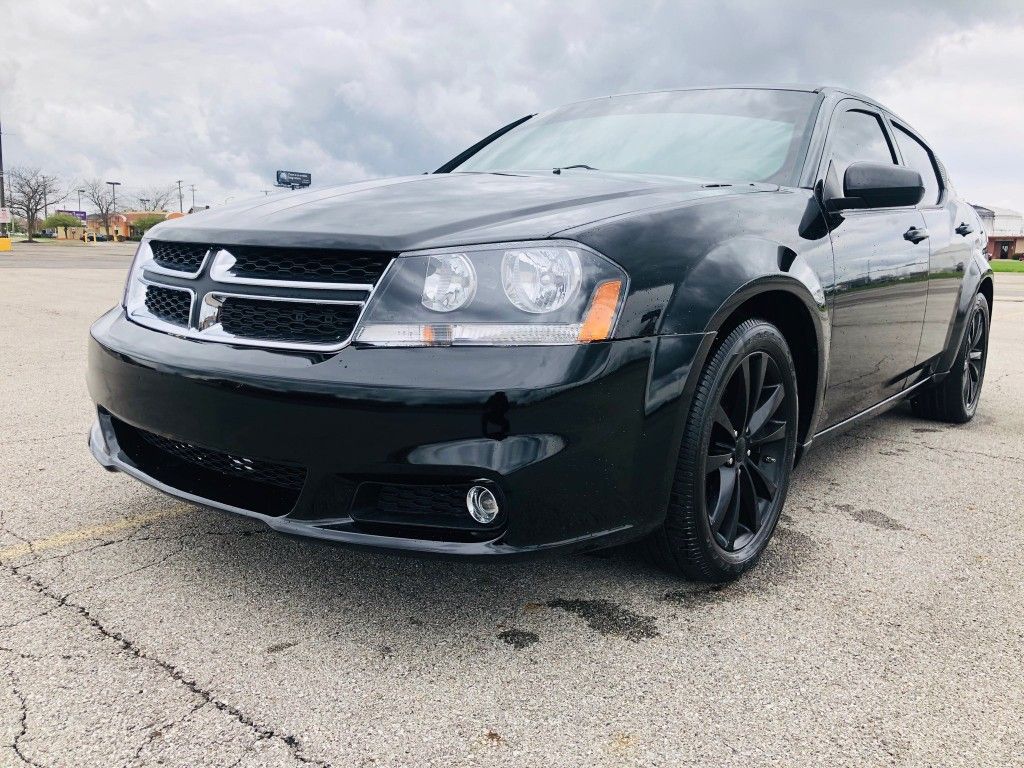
[729, 134]
[917, 156]
[859, 137]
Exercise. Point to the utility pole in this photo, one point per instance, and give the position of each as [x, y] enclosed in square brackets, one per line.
[113, 204]
[80, 193]
[193, 188]
[3, 198]
[181, 200]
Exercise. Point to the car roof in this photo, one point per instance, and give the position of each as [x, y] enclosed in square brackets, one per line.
[806, 88]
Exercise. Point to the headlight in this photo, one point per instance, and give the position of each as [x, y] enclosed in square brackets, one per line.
[521, 293]
[450, 283]
[540, 279]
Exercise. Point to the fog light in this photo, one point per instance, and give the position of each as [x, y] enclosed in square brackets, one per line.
[482, 505]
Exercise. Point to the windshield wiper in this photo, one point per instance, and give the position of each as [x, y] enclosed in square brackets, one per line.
[569, 167]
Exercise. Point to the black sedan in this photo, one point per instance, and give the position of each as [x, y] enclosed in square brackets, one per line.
[622, 319]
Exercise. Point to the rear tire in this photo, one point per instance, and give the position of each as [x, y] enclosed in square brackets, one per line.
[955, 398]
[735, 460]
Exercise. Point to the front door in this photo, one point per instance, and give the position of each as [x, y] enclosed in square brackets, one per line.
[1004, 251]
[881, 288]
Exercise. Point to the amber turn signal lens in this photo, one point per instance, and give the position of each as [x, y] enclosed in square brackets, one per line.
[597, 325]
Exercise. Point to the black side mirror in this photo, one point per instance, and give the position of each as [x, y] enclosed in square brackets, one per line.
[878, 185]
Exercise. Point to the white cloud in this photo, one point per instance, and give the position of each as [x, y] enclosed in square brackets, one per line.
[965, 93]
[221, 94]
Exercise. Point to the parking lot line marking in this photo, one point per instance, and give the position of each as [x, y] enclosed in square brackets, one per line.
[88, 532]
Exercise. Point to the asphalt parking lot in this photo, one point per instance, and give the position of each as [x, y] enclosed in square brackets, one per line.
[885, 626]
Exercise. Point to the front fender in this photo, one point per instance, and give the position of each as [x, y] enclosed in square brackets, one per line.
[733, 272]
[763, 278]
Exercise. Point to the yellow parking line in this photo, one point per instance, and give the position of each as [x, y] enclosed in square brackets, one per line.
[88, 532]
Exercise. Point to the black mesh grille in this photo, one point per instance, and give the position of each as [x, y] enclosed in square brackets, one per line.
[308, 264]
[169, 304]
[256, 470]
[418, 500]
[184, 257]
[288, 321]
[410, 509]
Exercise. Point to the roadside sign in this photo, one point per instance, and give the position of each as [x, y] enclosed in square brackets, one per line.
[294, 179]
[77, 214]
[5, 216]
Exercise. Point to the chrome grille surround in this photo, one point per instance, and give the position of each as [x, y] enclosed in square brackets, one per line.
[217, 281]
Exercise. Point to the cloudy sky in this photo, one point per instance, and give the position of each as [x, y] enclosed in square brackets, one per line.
[221, 93]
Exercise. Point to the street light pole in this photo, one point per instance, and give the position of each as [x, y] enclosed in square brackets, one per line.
[113, 204]
[181, 199]
[193, 188]
[3, 199]
[80, 191]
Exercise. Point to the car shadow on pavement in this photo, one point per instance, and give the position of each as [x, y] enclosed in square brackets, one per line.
[222, 570]
[227, 570]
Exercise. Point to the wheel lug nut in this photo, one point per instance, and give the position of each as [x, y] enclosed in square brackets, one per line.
[730, 462]
[748, 452]
[735, 433]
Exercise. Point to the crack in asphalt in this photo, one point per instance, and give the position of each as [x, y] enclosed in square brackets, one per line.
[294, 745]
[955, 452]
[22, 723]
[157, 733]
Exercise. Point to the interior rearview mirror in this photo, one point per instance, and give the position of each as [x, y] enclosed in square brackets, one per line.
[878, 185]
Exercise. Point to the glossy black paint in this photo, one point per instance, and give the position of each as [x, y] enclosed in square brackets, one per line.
[582, 440]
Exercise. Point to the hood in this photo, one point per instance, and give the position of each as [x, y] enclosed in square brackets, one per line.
[436, 210]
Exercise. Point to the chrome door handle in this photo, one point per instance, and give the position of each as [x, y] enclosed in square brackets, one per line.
[916, 234]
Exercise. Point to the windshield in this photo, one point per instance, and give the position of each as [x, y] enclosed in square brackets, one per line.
[729, 134]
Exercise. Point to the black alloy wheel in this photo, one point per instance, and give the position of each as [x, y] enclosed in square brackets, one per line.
[746, 451]
[735, 459]
[974, 361]
[955, 398]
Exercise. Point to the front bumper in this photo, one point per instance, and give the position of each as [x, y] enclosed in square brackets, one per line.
[579, 442]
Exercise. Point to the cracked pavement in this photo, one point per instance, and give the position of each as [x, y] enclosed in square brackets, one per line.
[884, 626]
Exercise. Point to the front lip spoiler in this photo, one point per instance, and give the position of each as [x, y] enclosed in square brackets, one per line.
[113, 459]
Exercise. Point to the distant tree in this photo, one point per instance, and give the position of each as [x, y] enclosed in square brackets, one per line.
[61, 221]
[154, 198]
[31, 192]
[144, 223]
[98, 193]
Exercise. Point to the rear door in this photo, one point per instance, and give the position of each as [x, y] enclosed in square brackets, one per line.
[881, 263]
[951, 236]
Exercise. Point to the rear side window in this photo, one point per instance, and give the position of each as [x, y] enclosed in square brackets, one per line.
[859, 137]
[916, 156]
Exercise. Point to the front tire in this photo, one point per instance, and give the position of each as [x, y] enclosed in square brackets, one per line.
[955, 399]
[735, 460]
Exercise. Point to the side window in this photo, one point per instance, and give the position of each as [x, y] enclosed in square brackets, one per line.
[859, 136]
[917, 156]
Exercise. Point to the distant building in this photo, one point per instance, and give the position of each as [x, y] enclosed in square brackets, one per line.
[1005, 230]
[121, 223]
